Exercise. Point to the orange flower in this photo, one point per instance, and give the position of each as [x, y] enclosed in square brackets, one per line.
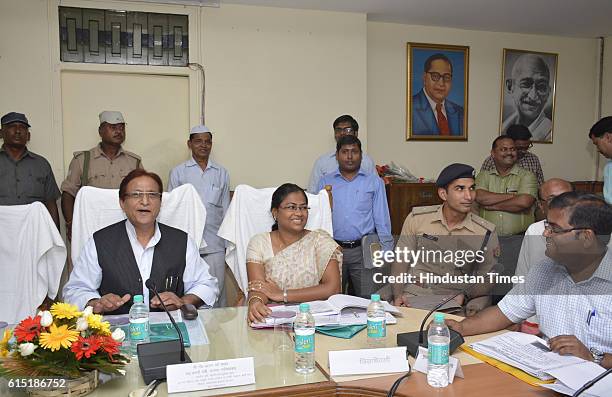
[109, 345]
[85, 347]
[28, 329]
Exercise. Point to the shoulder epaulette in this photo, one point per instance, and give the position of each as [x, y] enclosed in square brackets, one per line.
[425, 210]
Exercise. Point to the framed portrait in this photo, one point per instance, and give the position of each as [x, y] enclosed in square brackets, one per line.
[437, 92]
[528, 92]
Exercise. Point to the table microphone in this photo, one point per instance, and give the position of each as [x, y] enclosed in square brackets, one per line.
[412, 340]
[153, 357]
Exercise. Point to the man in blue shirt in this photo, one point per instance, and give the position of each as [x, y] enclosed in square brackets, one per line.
[327, 163]
[211, 181]
[359, 208]
[601, 136]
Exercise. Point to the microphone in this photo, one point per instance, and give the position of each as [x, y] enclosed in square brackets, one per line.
[592, 382]
[150, 284]
[412, 340]
[154, 357]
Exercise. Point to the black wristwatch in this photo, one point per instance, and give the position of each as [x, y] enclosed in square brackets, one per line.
[597, 354]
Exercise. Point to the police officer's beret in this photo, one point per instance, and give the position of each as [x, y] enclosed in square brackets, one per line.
[454, 171]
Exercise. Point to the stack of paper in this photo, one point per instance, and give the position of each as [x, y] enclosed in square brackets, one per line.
[526, 352]
[337, 310]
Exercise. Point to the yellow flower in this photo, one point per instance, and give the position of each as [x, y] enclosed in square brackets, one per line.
[4, 347]
[65, 310]
[58, 337]
[95, 322]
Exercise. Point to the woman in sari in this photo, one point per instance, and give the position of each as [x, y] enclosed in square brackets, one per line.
[291, 263]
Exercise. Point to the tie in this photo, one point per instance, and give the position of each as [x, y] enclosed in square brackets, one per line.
[442, 121]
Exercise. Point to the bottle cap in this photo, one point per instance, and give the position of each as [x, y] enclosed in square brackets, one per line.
[138, 299]
[375, 298]
[304, 307]
[439, 317]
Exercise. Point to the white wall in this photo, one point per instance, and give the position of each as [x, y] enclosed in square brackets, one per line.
[276, 80]
[570, 156]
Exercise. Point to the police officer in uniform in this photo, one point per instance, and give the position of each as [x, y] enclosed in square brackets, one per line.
[449, 227]
[103, 166]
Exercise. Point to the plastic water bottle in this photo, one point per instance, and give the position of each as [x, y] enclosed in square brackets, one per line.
[438, 339]
[304, 329]
[377, 324]
[139, 324]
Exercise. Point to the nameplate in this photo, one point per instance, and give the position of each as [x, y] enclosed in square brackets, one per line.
[368, 361]
[210, 375]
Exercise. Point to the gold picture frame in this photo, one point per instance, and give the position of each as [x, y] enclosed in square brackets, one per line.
[449, 64]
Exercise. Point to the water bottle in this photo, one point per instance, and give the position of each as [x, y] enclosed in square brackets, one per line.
[438, 339]
[377, 325]
[139, 324]
[304, 329]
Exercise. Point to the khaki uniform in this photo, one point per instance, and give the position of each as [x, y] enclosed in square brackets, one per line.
[426, 230]
[102, 172]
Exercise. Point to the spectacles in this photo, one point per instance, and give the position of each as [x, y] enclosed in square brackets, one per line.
[435, 76]
[153, 196]
[296, 208]
[346, 130]
[524, 148]
[556, 230]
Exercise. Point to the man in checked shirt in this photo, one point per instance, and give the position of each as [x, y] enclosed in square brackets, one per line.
[524, 158]
[570, 291]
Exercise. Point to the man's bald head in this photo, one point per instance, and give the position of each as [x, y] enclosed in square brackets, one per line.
[551, 189]
[528, 63]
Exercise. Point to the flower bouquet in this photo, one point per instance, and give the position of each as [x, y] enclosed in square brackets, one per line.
[62, 343]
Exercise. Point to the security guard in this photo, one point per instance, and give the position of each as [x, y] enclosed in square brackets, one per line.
[432, 231]
[103, 166]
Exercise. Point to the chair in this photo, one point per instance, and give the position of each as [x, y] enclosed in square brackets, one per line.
[96, 208]
[249, 214]
[32, 257]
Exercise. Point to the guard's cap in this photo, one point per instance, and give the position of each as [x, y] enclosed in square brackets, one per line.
[454, 171]
[111, 117]
[14, 117]
[598, 129]
[198, 129]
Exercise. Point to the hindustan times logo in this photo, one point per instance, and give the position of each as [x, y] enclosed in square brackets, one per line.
[404, 255]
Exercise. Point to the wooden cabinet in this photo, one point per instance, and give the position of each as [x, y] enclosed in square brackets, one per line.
[588, 186]
[401, 197]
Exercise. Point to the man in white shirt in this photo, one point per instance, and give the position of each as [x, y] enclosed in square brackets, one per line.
[534, 243]
[117, 261]
[327, 163]
[211, 180]
[571, 292]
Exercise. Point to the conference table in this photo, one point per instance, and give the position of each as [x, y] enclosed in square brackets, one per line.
[230, 337]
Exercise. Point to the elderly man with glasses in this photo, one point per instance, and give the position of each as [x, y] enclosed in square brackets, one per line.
[117, 261]
[525, 159]
[328, 163]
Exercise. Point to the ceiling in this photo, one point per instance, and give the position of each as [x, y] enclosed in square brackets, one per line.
[577, 18]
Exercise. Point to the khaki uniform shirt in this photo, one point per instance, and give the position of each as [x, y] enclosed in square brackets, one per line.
[518, 181]
[103, 172]
[425, 229]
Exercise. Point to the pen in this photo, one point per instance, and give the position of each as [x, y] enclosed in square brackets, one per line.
[592, 314]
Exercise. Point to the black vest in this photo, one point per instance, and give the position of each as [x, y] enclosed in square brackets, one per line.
[120, 274]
